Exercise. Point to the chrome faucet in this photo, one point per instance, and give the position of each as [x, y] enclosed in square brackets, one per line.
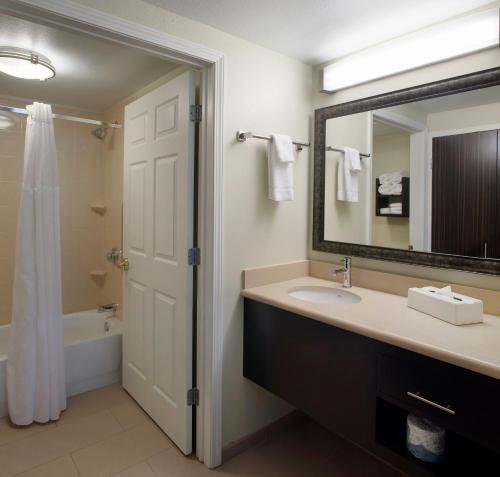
[346, 270]
[112, 307]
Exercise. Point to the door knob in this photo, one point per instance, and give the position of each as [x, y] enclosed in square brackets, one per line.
[124, 263]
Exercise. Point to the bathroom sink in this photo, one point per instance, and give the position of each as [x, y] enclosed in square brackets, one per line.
[324, 295]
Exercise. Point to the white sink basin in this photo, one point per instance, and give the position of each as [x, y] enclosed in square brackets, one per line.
[324, 295]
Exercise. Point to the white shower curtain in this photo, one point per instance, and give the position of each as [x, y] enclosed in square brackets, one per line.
[35, 360]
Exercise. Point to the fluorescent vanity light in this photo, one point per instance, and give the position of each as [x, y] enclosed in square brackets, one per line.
[431, 45]
[25, 64]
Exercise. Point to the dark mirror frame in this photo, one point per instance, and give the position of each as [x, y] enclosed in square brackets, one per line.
[482, 79]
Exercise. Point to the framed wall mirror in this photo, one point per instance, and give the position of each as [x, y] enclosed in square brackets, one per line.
[413, 176]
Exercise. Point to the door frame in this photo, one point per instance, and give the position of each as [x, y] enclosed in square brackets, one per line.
[68, 15]
[418, 193]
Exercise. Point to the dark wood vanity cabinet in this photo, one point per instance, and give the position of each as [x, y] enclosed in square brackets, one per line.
[363, 390]
[324, 371]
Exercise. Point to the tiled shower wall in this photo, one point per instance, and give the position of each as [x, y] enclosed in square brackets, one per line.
[11, 169]
[90, 173]
[112, 154]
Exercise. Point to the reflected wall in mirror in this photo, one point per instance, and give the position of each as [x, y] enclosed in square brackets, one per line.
[427, 178]
[347, 205]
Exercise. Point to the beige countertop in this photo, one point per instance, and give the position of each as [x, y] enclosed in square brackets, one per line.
[386, 317]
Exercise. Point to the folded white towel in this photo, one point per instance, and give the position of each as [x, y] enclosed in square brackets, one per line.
[280, 160]
[390, 189]
[395, 209]
[392, 177]
[347, 176]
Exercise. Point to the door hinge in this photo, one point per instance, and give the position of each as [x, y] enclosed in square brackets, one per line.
[195, 113]
[193, 397]
[194, 256]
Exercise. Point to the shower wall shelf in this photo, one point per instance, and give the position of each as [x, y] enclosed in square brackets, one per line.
[98, 209]
[100, 274]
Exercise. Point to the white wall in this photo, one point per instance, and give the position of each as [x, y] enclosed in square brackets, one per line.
[265, 92]
[468, 64]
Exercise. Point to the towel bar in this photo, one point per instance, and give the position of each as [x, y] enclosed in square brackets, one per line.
[242, 136]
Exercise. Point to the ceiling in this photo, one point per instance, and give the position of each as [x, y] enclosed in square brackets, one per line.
[315, 31]
[92, 73]
[381, 129]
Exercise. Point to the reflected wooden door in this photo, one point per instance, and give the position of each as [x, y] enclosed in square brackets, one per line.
[464, 194]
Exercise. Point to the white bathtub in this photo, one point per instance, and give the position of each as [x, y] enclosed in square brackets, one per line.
[92, 355]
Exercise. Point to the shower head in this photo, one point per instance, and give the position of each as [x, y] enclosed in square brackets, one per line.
[100, 133]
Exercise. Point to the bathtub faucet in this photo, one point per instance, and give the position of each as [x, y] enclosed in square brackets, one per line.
[112, 307]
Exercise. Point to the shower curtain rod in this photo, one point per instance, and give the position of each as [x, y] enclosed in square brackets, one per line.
[9, 109]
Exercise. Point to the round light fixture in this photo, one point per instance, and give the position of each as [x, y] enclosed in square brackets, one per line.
[25, 64]
[6, 122]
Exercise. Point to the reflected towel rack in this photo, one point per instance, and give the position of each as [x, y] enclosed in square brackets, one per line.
[242, 136]
[337, 149]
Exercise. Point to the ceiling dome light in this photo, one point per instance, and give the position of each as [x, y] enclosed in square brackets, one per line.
[25, 64]
[6, 122]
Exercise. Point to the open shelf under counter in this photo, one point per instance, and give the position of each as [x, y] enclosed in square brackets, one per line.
[462, 455]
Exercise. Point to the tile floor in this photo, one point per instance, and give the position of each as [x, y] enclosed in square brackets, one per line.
[105, 433]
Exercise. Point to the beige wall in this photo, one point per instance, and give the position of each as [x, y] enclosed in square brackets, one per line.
[11, 169]
[81, 185]
[347, 221]
[460, 66]
[390, 153]
[264, 92]
[477, 116]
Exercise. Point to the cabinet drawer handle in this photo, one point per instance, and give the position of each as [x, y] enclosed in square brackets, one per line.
[420, 398]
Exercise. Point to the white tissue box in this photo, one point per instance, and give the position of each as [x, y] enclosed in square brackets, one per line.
[451, 307]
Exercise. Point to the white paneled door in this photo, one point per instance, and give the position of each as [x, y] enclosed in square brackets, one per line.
[157, 233]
